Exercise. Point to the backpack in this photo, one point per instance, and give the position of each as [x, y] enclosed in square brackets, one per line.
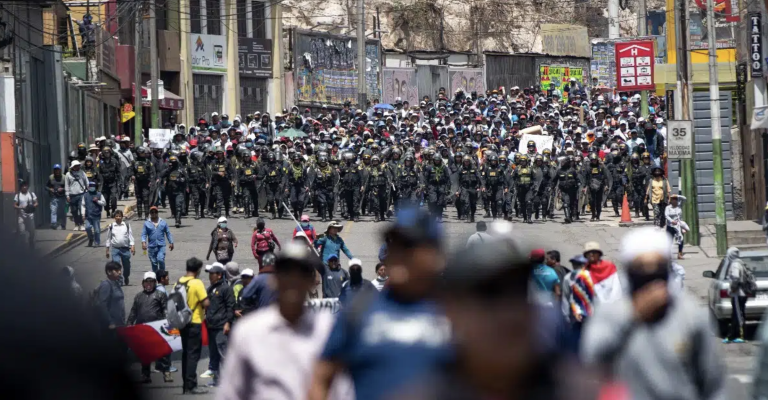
[93, 297]
[748, 283]
[264, 240]
[177, 309]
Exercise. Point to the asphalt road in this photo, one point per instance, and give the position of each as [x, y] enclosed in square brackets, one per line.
[364, 238]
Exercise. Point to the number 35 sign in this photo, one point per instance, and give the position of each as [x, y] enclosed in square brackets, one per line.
[680, 140]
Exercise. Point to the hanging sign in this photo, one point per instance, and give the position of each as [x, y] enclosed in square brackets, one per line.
[634, 65]
[756, 44]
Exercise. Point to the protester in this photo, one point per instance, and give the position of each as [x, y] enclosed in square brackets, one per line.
[25, 203]
[332, 243]
[657, 194]
[272, 350]
[356, 284]
[110, 298]
[75, 185]
[91, 206]
[153, 237]
[597, 283]
[260, 292]
[149, 306]
[480, 236]
[263, 240]
[553, 261]
[544, 279]
[192, 334]
[676, 227]
[308, 229]
[414, 260]
[56, 189]
[626, 336]
[219, 316]
[577, 263]
[120, 244]
[736, 272]
[333, 277]
[381, 276]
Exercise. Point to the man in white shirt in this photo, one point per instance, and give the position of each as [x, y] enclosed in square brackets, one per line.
[120, 244]
[25, 203]
[480, 236]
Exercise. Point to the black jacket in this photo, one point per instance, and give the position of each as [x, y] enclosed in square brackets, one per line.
[148, 307]
[222, 307]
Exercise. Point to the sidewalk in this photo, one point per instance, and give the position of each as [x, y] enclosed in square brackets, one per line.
[746, 235]
[53, 243]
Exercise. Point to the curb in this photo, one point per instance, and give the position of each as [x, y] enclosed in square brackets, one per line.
[75, 238]
[639, 223]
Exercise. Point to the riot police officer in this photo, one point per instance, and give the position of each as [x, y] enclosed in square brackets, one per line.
[273, 173]
[568, 180]
[92, 173]
[296, 185]
[248, 177]
[526, 183]
[598, 179]
[542, 196]
[618, 172]
[323, 185]
[377, 186]
[438, 182]
[222, 181]
[639, 175]
[143, 177]
[109, 168]
[408, 182]
[494, 185]
[198, 183]
[469, 183]
[351, 186]
[175, 186]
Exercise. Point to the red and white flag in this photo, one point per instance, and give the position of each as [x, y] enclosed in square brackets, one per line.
[154, 340]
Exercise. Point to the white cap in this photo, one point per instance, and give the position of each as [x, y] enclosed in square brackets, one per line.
[659, 120]
[74, 164]
[247, 272]
[222, 219]
[214, 114]
[150, 275]
[355, 261]
[216, 264]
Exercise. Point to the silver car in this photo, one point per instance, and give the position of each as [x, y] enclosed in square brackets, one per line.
[719, 299]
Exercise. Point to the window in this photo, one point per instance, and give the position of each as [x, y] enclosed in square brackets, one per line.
[62, 33]
[242, 24]
[194, 16]
[259, 20]
[213, 16]
[161, 12]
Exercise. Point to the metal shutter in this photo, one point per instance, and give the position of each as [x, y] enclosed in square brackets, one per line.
[253, 95]
[209, 95]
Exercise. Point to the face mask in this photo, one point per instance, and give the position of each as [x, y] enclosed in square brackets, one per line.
[305, 224]
[223, 225]
[92, 190]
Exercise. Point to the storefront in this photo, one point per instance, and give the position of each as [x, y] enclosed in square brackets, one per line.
[209, 67]
[255, 68]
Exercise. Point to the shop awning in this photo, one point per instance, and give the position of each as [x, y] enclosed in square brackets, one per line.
[171, 101]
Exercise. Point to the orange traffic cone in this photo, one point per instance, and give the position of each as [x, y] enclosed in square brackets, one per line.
[625, 216]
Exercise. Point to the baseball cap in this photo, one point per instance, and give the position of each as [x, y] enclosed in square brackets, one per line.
[247, 272]
[222, 219]
[149, 275]
[578, 259]
[305, 218]
[415, 227]
[56, 166]
[355, 261]
[216, 267]
[153, 208]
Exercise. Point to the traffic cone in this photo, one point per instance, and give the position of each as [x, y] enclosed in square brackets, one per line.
[625, 216]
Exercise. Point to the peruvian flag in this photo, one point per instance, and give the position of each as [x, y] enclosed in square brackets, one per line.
[154, 340]
[607, 286]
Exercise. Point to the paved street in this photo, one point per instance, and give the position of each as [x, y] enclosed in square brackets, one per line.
[363, 239]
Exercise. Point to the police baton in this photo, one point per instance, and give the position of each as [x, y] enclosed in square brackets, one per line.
[288, 210]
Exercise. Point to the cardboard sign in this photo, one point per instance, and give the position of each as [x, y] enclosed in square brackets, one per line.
[542, 142]
[329, 305]
[159, 138]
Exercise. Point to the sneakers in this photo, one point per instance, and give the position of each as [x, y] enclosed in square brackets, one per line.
[726, 340]
[738, 340]
[207, 374]
[167, 377]
[196, 390]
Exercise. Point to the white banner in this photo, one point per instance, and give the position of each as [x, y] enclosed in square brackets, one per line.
[331, 305]
[759, 118]
[209, 53]
[159, 138]
[542, 142]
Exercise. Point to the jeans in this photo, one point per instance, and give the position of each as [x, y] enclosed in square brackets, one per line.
[27, 228]
[74, 207]
[93, 229]
[191, 346]
[217, 346]
[737, 317]
[58, 215]
[157, 257]
[123, 257]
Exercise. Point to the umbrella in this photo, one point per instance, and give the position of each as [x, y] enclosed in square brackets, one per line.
[384, 106]
[292, 133]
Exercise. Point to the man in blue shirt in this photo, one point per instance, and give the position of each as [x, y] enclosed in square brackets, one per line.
[389, 340]
[153, 236]
[332, 243]
[544, 278]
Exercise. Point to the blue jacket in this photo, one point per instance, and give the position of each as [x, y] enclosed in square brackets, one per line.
[155, 237]
[332, 246]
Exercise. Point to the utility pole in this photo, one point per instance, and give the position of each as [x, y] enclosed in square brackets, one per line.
[155, 120]
[683, 112]
[642, 30]
[138, 138]
[361, 92]
[613, 19]
[721, 230]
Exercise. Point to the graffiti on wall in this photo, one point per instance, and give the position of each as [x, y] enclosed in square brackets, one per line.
[469, 80]
[399, 82]
[559, 76]
[326, 70]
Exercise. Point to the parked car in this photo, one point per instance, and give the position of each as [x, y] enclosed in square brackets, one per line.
[719, 299]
